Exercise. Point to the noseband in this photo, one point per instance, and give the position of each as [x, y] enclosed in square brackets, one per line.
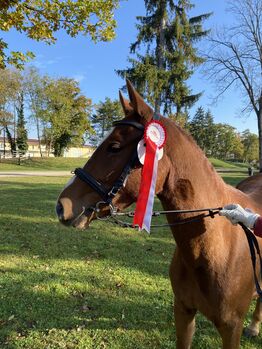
[108, 195]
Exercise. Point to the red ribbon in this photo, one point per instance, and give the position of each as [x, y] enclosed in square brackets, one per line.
[144, 206]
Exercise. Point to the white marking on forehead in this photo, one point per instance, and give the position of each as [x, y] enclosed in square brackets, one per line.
[71, 181]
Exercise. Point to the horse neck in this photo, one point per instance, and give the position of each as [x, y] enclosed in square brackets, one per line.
[192, 181]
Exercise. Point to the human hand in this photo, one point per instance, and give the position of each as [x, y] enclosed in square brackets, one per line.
[237, 214]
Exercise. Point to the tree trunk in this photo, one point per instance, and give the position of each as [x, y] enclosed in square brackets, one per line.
[160, 55]
[4, 144]
[259, 119]
[38, 136]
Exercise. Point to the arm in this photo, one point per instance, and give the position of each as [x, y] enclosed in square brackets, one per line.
[258, 227]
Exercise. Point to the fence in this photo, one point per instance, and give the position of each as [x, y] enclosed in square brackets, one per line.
[15, 157]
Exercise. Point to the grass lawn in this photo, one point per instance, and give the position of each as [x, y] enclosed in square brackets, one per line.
[68, 164]
[44, 164]
[227, 164]
[107, 287]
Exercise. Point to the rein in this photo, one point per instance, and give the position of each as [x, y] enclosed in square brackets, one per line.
[211, 213]
[254, 249]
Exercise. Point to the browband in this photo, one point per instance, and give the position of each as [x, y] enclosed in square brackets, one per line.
[129, 123]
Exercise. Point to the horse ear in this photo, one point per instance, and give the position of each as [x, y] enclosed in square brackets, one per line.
[140, 106]
[128, 109]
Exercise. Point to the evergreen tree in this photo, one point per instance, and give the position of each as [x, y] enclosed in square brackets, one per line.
[21, 139]
[11, 141]
[197, 127]
[106, 113]
[202, 129]
[169, 36]
[210, 133]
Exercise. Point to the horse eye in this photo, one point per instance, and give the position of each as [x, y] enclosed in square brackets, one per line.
[114, 148]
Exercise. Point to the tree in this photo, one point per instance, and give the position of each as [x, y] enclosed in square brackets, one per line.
[65, 114]
[34, 86]
[106, 113]
[181, 119]
[197, 127]
[42, 19]
[227, 142]
[202, 129]
[168, 35]
[10, 85]
[235, 58]
[21, 139]
[11, 141]
[251, 146]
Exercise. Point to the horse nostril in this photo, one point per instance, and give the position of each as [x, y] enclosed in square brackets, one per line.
[60, 211]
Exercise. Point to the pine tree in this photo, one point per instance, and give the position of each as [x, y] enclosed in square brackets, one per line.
[197, 127]
[210, 133]
[21, 139]
[202, 129]
[168, 35]
[106, 113]
[11, 141]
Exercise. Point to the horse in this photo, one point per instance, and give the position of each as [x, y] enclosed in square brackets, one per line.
[211, 270]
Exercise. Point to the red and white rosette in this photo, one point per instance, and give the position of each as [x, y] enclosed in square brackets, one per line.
[154, 140]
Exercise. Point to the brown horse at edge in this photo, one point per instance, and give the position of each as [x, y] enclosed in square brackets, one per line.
[211, 269]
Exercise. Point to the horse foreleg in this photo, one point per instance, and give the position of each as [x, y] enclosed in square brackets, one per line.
[185, 325]
[231, 333]
[253, 329]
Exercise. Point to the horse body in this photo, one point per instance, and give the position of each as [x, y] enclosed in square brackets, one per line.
[253, 187]
[211, 270]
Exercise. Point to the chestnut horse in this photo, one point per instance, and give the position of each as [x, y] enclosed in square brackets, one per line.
[211, 269]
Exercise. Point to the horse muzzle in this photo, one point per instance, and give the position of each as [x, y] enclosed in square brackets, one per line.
[83, 219]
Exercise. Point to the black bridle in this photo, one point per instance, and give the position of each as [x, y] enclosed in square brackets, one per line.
[107, 195]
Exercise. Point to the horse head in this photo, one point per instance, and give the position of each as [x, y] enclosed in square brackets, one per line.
[100, 183]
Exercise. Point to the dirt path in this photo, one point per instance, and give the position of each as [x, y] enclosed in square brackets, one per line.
[34, 173]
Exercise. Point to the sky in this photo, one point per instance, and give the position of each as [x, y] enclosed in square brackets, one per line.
[94, 65]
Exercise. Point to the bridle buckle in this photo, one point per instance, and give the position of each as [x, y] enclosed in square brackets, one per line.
[102, 204]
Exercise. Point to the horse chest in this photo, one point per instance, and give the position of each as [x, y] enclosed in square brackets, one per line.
[196, 286]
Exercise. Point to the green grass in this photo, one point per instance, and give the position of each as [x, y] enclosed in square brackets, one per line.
[227, 164]
[234, 178]
[67, 164]
[44, 164]
[107, 287]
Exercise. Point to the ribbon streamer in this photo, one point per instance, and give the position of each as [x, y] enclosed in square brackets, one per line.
[144, 206]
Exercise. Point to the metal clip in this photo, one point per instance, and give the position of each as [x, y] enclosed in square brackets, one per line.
[113, 192]
[98, 210]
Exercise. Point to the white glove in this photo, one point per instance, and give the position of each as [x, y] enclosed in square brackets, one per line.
[237, 214]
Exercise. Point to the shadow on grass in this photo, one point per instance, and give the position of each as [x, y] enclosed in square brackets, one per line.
[35, 299]
[69, 279]
[29, 226]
